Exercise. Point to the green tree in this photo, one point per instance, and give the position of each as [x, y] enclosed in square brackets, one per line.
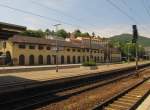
[34, 33]
[49, 32]
[93, 34]
[77, 33]
[86, 34]
[61, 33]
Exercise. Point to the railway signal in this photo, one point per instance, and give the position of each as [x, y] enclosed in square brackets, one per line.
[135, 34]
[134, 40]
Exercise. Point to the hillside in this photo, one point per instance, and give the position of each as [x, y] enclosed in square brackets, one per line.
[144, 41]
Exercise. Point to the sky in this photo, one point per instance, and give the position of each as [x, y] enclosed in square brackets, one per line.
[98, 16]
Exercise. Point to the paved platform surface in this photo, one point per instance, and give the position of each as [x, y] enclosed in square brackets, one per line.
[63, 73]
[42, 66]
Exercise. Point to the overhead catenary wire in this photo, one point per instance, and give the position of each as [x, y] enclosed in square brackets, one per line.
[43, 17]
[54, 10]
[130, 9]
[145, 8]
[125, 13]
[63, 13]
[60, 12]
[122, 11]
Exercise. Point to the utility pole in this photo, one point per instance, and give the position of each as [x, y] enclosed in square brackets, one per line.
[134, 40]
[108, 53]
[128, 44]
[90, 48]
[57, 49]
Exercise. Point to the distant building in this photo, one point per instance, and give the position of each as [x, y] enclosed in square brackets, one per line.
[25, 50]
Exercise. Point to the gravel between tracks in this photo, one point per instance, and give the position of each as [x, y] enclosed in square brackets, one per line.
[86, 100]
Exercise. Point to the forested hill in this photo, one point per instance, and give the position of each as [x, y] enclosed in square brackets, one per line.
[144, 41]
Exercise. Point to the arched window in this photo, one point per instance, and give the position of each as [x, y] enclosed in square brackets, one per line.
[74, 59]
[54, 59]
[31, 60]
[87, 58]
[95, 58]
[8, 58]
[21, 60]
[98, 59]
[62, 59]
[48, 59]
[1, 53]
[68, 60]
[79, 59]
[40, 59]
[83, 58]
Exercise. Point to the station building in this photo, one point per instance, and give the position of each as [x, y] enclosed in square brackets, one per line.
[26, 50]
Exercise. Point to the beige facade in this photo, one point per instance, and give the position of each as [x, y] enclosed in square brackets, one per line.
[28, 53]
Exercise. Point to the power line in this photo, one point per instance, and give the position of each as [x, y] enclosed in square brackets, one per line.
[145, 7]
[122, 11]
[54, 10]
[130, 8]
[125, 13]
[61, 12]
[41, 16]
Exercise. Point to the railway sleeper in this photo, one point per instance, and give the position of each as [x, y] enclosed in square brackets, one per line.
[122, 102]
[116, 106]
[127, 100]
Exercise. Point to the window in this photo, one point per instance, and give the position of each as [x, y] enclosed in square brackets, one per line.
[48, 48]
[83, 58]
[87, 58]
[73, 50]
[40, 58]
[83, 50]
[31, 47]
[68, 60]
[41, 47]
[62, 59]
[78, 50]
[21, 60]
[22, 46]
[68, 50]
[31, 60]
[48, 59]
[79, 59]
[87, 50]
[74, 59]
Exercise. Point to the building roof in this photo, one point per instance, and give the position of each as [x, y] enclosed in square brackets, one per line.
[43, 41]
[8, 30]
[12, 26]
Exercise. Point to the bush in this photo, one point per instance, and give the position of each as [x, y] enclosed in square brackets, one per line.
[89, 63]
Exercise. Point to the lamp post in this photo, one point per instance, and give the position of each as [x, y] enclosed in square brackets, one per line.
[93, 34]
[57, 49]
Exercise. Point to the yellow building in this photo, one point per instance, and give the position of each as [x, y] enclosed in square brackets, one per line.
[23, 50]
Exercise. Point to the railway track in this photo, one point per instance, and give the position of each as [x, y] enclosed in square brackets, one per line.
[35, 97]
[128, 99]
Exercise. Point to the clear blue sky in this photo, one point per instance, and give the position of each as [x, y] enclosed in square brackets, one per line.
[87, 15]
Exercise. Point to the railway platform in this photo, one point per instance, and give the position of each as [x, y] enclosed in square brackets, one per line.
[13, 81]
